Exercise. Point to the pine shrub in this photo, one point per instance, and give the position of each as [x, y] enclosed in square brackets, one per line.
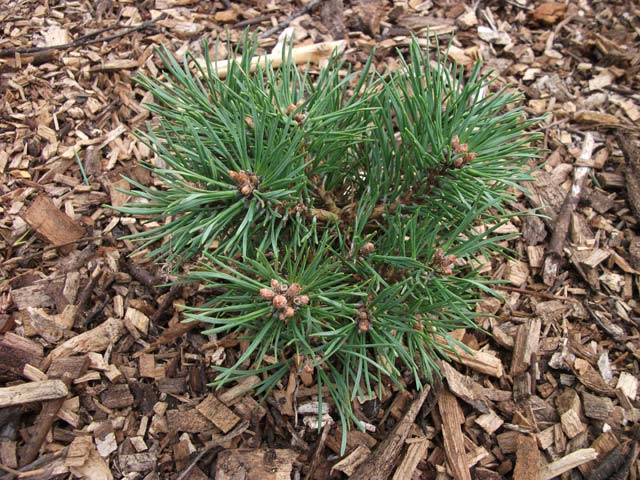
[336, 221]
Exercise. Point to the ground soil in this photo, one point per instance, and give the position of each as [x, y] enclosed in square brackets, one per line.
[100, 379]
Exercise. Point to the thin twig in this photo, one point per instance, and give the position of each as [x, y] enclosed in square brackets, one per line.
[87, 39]
[533, 293]
[251, 21]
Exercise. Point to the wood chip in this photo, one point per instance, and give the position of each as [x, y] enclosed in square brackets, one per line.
[349, 464]
[571, 423]
[32, 392]
[527, 459]
[628, 384]
[51, 224]
[489, 422]
[416, 452]
[569, 462]
[94, 340]
[526, 346]
[190, 421]
[265, 464]
[452, 418]
[16, 352]
[218, 413]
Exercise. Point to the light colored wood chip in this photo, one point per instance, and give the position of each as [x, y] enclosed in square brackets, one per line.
[94, 340]
[526, 346]
[32, 392]
[351, 462]
[299, 55]
[138, 319]
[568, 462]
[489, 422]
[452, 418]
[571, 423]
[628, 384]
[416, 452]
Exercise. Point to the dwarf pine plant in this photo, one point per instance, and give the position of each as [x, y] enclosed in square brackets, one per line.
[337, 220]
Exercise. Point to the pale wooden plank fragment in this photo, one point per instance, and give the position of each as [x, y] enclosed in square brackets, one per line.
[568, 462]
[32, 392]
[416, 452]
[526, 346]
[452, 418]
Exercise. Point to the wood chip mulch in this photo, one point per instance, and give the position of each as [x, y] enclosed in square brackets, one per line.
[100, 380]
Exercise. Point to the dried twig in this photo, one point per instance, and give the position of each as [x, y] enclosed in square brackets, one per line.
[88, 39]
[563, 220]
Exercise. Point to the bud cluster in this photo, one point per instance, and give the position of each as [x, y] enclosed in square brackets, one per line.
[298, 117]
[463, 150]
[364, 321]
[444, 263]
[284, 298]
[246, 182]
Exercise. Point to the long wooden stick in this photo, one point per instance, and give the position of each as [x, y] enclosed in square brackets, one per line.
[299, 55]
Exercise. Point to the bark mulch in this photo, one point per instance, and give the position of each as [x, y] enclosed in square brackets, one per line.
[100, 380]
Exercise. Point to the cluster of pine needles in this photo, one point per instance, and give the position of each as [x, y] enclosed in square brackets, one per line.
[336, 220]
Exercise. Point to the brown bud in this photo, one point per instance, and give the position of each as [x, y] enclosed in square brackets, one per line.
[459, 162]
[367, 248]
[463, 148]
[455, 142]
[267, 294]
[275, 284]
[301, 300]
[280, 302]
[293, 290]
[363, 315]
[364, 325]
[246, 190]
[289, 312]
[239, 178]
